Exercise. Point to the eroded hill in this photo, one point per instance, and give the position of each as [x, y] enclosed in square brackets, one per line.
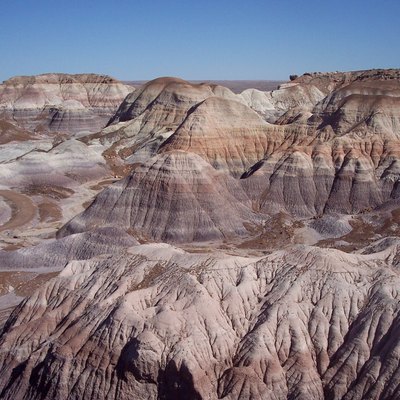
[248, 249]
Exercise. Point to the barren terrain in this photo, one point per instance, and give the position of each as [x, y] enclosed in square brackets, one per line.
[200, 240]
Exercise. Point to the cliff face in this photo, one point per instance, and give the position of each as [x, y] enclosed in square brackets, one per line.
[61, 102]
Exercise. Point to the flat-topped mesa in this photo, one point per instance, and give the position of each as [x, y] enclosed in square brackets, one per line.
[174, 197]
[332, 80]
[360, 104]
[296, 97]
[326, 81]
[61, 102]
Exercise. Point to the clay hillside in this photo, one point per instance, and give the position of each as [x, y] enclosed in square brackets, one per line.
[182, 240]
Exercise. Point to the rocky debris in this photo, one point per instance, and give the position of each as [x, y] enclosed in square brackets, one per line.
[61, 102]
[156, 322]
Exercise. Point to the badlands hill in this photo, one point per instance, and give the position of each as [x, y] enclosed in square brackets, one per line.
[61, 102]
[249, 248]
[157, 322]
[46, 174]
[332, 153]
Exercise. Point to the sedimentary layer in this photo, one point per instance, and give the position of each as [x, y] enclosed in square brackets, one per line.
[61, 102]
[156, 322]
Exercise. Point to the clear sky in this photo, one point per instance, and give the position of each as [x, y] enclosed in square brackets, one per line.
[201, 39]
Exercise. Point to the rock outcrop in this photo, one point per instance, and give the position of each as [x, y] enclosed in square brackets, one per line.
[335, 143]
[343, 157]
[303, 93]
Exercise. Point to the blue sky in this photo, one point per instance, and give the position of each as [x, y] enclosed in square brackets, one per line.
[217, 39]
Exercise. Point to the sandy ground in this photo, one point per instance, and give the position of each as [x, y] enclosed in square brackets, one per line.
[15, 285]
[27, 221]
[5, 211]
[23, 209]
[36, 212]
